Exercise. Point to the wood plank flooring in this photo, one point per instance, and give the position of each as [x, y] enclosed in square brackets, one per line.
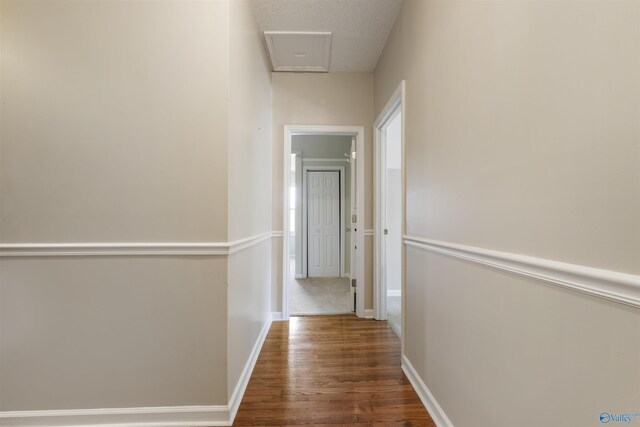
[330, 370]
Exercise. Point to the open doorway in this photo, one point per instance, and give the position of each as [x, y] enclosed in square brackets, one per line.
[321, 253]
[320, 233]
[389, 213]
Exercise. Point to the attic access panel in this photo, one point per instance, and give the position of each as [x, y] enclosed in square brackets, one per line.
[299, 51]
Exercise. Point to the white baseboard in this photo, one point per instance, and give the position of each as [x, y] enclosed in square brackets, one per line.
[368, 313]
[276, 315]
[394, 293]
[164, 416]
[169, 416]
[298, 276]
[429, 402]
[241, 386]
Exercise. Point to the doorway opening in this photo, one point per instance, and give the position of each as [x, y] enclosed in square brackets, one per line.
[323, 179]
[389, 213]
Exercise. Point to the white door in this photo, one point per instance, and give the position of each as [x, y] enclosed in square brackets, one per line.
[352, 223]
[323, 224]
[391, 216]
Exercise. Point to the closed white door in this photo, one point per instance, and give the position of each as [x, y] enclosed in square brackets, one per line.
[352, 216]
[323, 224]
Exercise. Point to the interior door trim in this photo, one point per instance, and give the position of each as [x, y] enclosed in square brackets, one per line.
[304, 231]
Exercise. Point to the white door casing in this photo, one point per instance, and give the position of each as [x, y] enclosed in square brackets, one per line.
[323, 224]
[350, 220]
[357, 232]
[391, 198]
[394, 106]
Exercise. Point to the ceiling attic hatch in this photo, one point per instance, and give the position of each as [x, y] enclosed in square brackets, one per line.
[299, 51]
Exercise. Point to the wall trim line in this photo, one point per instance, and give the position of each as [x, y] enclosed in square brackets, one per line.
[238, 245]
[133, 248]
[368, 232]
[428, 400]
[318, 159]
[611, 285]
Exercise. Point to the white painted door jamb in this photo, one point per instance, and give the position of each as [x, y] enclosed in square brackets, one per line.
[357, 232]
[394, 106]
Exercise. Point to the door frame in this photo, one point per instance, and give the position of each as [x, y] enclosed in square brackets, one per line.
[305, 210]
[394, 106]
[357, 229]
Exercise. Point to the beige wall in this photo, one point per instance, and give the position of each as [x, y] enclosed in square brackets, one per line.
[249, 304]
[498, 349]
[544, 93]
[522, 135]
[114, 332]
[250, 101]
[113, 121]
[322, 99]
[322, 146]
[113, 126]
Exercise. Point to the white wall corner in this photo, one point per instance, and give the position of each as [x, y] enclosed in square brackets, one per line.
[130, 249]
[428, 400]
[243, 381]
[368, 313]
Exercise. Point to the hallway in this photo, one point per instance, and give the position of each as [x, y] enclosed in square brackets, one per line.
[467, 172]
[330, 370]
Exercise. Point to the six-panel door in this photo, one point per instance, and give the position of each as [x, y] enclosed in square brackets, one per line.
[323, 224]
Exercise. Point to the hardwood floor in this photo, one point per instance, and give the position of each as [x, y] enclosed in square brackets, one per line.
[330, 370]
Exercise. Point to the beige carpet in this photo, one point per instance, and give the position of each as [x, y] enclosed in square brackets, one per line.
[319, 295]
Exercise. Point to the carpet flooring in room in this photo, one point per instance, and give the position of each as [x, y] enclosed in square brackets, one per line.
[319, 295]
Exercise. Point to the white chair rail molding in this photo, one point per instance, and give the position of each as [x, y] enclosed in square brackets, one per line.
[619, 287]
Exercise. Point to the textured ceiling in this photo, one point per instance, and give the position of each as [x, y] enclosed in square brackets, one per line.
[360, 27]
